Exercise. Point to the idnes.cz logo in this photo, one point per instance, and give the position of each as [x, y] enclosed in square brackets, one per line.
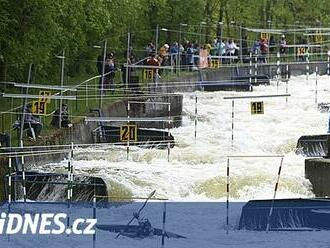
[47, 223]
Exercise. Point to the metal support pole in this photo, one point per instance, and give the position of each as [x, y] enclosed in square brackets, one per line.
[23, 180]
[195, 118]
[94, 217]
[86, 94]
[294, 43]
[286, 83]
[62, 84]
[200, 34]
[307, 66]
[232, 123]
[128, 60]
[269, 48]
[256, 67]
[72, 173]
[69, 183]
[328, 65]
[179, 50]
[250, 69]
[157, 38]
[240, 44]
[278, 71]
[163, 226]
[9, 181]
[227, 200]
[168, 132]
[274, 196]
[103, 70]
[24, 107]
[9, 189]
[127, 145]
[316, 79]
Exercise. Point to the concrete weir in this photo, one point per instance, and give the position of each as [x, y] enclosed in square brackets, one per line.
[317, 171]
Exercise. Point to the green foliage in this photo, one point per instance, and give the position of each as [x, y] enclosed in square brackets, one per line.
[35, 31]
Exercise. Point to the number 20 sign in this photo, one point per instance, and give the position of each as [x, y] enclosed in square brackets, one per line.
[128, 133]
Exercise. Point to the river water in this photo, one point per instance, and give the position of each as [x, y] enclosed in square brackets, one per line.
[197, 169]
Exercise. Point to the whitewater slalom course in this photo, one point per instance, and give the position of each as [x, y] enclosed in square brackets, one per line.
[197, 168]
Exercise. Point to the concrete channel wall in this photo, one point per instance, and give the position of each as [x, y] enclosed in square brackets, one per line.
[189, 83]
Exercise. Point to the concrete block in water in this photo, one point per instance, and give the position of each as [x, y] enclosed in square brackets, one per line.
[317, 170]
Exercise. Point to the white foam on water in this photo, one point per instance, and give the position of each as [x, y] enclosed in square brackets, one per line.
[197, 171]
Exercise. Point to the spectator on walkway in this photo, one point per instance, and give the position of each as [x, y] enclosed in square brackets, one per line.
[231, 49]
[255, 49]
[163, 54]
[109, 71]
[149, 49]
[62, 113]
[190, 56]
[203, 57]
[153, 61]
[32, 123]
[264, 50]
[283, 45]
[4, 140]
[174, 53]
[196, 48]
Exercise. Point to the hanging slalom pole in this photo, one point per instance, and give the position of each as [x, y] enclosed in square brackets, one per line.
[9, 181]
[307, 66]
[274, 196]
[94, 217]
[287, 83]
[168, 132]
[278, 71]
[232, 123]
[195, 118]
[316, 78]
[227, 200]
[23, 181]
[256, 67]
[71, 172]
[163, 227]
[127, 145]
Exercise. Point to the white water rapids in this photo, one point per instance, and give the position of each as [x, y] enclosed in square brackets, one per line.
[197, 171]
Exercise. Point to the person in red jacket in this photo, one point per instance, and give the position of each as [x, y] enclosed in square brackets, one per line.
[153, 61]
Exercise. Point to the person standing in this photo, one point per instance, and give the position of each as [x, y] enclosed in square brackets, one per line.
[153, 61]
[64, 114]
[32, 123]
[109, 71]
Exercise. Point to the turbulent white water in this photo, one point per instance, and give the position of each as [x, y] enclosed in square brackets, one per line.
[197, 171]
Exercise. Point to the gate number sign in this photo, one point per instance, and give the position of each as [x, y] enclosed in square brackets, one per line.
[39, 107]
[44, 96]
[128, 133]
[264, 36]
[148, 74]
[257, 108]
[301, 50]
[215, 63]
